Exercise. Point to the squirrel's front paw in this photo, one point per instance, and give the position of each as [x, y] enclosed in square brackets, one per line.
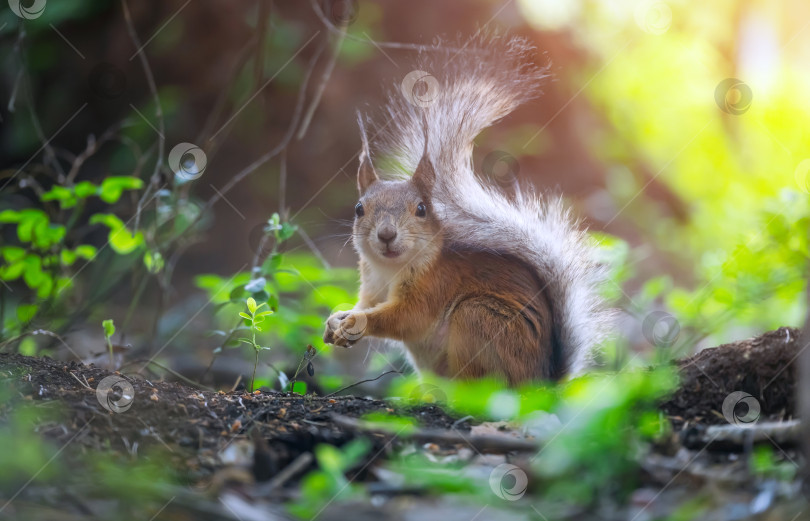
[344, 328]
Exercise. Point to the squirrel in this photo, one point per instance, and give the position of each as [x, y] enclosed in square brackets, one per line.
[475, 280]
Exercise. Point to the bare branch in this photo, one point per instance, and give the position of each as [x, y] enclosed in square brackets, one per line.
[255, 165]
[93, 145]
[316, 98]
[28, 88]
[150, 79]
[390, 45]
[362, 382]
[481, 443]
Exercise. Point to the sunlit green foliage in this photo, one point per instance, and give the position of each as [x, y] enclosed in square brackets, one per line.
[733, 162]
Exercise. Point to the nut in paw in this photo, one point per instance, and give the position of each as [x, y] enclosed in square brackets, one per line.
[344, 328]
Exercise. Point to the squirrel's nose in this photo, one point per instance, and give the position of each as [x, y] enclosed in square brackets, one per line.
[387, 234]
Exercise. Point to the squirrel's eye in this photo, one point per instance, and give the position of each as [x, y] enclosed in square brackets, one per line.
[421, 210]
[358, 210]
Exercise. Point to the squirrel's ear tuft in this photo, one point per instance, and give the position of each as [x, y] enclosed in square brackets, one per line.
[365, 174]
[425, 175]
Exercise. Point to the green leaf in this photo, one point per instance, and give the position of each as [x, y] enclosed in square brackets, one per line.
[67, 257]
[45, 286]
[153, 261]
[10, 216]
[26, 312]
[245, 315]
[109, 328]
[33, 276]
[251, 304]
[12, 271]
[273, 303]
[50, 260]
[65, 196]
[121, 239]
[237, 294]
[124, 242]
[272, 263]
[29, 219]
[287, 230]
[12, 253]
[85, 251]
[113, 187]
[85, 189]
[261, 296]
[47, 234]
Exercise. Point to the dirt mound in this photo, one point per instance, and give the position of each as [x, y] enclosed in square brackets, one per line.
[201, 422]
[763, 367]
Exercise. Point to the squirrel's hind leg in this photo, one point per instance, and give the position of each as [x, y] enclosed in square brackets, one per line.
[491, 337]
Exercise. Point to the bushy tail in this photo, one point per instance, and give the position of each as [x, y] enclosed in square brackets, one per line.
[457, 93]
[460, 90]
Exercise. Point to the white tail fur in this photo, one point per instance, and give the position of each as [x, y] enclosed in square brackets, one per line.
[470, 90]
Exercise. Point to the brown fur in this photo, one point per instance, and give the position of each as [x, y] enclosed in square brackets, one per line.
[461, 312]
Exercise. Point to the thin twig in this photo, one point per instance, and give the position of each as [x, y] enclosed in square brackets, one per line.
[50, 155]
[362, 382]
[236, 383]
[208, 128]
[491, 444]
[282, 186]
[83, 384]
[314, 248]
[255, 165]
[316, 98]
[298, 465]
[389, 45]
[173, 372]
[93, 145]
[150, 79]
[263, 19]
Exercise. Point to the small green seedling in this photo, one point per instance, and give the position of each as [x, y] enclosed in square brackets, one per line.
[253, 318]
[109, 331]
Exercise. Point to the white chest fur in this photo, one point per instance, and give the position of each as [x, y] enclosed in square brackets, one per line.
[377, 284]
